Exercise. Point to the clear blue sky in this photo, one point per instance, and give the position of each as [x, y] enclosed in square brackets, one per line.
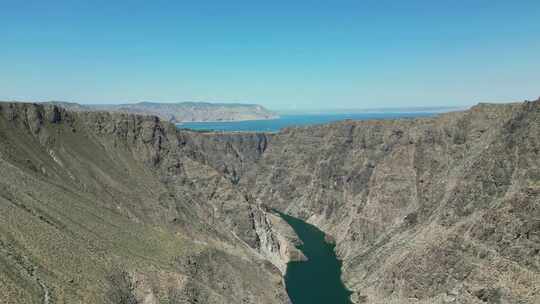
[282, 54]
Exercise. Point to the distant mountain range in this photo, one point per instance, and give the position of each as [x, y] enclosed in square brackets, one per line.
[181, 111]
[426, 109]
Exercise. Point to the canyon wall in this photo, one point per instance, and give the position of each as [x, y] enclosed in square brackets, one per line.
[428, 210]
[114, 208]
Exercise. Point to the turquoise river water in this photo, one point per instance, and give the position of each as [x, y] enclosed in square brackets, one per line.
[317, 280]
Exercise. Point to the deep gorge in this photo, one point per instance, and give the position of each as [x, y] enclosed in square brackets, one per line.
[99, 207]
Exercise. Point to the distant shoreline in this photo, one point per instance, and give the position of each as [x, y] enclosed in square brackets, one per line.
[373, 111]
[218, 121]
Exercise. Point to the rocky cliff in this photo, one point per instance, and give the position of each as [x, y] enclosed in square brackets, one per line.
[431, 210]
[100, 207]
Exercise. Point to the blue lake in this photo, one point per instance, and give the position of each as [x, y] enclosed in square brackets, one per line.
[274, 125]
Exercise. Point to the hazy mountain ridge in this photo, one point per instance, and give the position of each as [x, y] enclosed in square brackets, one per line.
[182, 111]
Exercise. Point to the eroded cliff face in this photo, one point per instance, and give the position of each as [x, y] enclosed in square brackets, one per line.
[112, 208]
[431, 210]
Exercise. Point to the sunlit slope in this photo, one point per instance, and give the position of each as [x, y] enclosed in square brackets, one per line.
[103, 208]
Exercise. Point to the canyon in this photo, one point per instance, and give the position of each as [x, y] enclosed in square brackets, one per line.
[100, 207]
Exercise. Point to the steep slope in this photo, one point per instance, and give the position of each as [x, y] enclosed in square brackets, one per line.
[431, 210]
[109, 208]
[183, 111]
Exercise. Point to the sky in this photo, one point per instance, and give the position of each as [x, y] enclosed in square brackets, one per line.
[285, 55]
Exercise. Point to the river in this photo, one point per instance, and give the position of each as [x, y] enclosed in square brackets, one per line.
[317, 280]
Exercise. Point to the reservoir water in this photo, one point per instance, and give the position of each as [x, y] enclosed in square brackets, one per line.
[274, 125]
[317, 280]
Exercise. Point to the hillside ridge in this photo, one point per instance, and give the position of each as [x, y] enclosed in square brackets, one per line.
[181, 111]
